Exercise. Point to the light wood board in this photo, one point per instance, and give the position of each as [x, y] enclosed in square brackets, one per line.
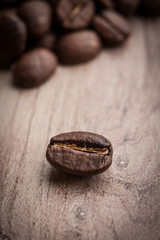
[116, 95]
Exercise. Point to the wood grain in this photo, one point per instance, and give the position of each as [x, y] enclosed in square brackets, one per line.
[116, 95]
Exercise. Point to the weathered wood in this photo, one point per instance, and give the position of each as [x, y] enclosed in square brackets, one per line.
[116, 95]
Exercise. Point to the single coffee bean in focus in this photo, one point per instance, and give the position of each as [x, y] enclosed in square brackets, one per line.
[80, 153]
[38, 17]
[112, 27]
[78, 47]
[13, 37]
[75, 14]
[34, 68]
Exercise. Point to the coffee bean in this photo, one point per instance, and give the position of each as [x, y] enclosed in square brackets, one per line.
[151, 8]
[112, 27]
[78, 47]
[75, 14]
[38, 17]
[127, 7]
[80, 153]
[34, 68]
[13, 36]
[47, 41]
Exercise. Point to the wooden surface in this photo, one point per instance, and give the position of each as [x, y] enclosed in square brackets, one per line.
[116, 95]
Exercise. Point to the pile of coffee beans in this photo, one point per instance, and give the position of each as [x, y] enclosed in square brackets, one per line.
[36, 34]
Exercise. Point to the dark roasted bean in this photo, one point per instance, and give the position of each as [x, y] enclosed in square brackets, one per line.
[75, 14]
[80, 153]
[13, 36]
[78, 47]
[34, 68]
[112, 27]
[38, 17]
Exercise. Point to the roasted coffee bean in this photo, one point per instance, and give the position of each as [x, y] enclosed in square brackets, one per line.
[127, 7]
[75, 14]
[38, 17]
[78, 47]
[80, 153]
[48, 41]
[13, 36]
[34, 68]
[112, 27]
[151, 8]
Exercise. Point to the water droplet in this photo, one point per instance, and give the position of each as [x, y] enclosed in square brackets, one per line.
[80, 213]
[122, 162]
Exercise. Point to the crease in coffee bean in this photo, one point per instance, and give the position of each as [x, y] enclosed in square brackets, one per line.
[75, 11]
[116, 31]
[103, 151]
[114, 26]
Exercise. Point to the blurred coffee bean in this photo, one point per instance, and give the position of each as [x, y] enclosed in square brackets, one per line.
[127, 7]
[78, 47]
[75, 14]
[13, 36]
[48, 41]
[38, 17]
[151, 8]
[112, 27]
[34, 68]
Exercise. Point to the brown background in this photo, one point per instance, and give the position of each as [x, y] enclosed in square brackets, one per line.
[116, 95]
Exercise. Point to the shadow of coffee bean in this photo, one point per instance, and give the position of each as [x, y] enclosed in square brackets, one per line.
[68, 183]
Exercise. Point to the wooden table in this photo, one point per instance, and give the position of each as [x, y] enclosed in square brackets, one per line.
[116, 95]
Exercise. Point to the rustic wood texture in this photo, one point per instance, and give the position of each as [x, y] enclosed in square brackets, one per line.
[116, 95]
